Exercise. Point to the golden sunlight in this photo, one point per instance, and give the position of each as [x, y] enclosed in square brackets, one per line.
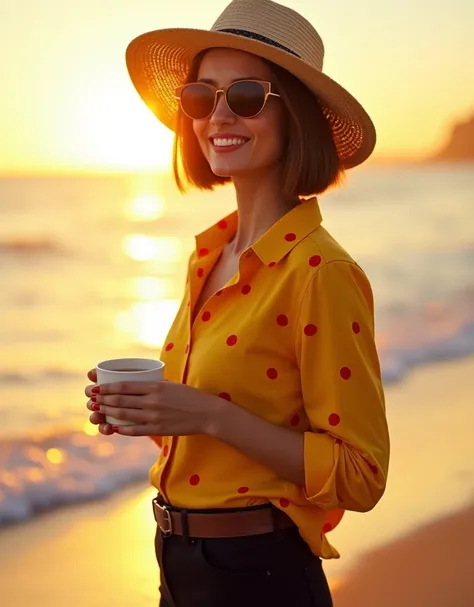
[141, 247]
[115, 129]
[148, 323]
[146, 207]
[90, 430]
[151, 288]
[55, 456]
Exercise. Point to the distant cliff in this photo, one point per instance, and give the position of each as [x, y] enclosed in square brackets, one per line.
[460, 146]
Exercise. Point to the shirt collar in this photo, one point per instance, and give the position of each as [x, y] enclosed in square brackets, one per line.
[276, 242]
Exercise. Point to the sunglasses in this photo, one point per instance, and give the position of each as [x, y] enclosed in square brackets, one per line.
[244, 98]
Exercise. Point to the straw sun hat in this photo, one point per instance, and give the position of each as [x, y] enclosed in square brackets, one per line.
[158, 63]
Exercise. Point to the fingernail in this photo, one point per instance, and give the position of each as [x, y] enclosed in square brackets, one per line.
[94, 399]
[96, 390]
[116, 429]
[95, 407]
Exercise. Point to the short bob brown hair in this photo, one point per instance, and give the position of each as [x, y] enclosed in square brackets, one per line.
[311, 164]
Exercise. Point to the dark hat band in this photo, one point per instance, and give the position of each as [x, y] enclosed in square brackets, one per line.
[260, 38]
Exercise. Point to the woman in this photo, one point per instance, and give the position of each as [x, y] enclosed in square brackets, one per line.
[272, 421]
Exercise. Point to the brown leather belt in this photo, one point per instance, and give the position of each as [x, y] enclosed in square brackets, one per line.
[219, 524]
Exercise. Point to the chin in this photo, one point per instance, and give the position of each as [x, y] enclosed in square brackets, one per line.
[228, 171]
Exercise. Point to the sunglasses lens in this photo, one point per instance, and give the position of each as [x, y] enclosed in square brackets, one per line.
[197, 101]
[246, 98]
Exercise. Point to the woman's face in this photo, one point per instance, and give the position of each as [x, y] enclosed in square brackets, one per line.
[262, 136]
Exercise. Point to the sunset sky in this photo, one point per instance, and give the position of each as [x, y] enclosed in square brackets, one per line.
[67, 103]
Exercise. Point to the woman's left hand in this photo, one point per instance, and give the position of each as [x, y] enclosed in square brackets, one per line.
[158, 408]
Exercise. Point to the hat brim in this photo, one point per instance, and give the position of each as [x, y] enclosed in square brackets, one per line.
[158, 63]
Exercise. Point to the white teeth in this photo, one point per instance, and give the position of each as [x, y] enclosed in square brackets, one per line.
[227, 142]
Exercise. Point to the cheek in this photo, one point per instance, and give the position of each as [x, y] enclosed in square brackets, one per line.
[269, 134]
[271, 147]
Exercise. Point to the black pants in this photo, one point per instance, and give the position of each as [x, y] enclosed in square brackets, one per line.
[272, 570]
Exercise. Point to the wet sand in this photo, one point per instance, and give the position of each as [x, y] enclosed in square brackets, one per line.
[432, 567]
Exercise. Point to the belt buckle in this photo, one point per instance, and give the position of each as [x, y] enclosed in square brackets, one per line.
[167, 514]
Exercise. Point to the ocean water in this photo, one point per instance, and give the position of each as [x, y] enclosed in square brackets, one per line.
[93, 268]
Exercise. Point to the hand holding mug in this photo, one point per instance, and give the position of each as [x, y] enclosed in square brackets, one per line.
[148, 408]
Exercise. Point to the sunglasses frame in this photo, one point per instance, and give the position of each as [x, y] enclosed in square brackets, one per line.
[267, 89]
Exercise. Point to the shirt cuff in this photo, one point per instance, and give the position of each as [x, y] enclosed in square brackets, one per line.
[320, 464]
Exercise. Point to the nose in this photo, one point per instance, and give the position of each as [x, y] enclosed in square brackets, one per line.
[222, 113]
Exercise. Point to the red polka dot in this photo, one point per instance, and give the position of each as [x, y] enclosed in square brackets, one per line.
[243, 490]
[195, 479]
[166, 450]
[284, 503]
[271, 264]
[203, 252]
[169, 347]
[345, 373]
[327, 527]
[374, 468]
[246, 289]
[356, 327]
[272, 373]
[282, 320]
[231, 340]
[290, 237]
[295, 420]
[224, 395]
[200, 272]
[186, 350]
[334, 419]
[314, 261]
[310, 330]
[222, 224]
[206, 316]
[219, 292]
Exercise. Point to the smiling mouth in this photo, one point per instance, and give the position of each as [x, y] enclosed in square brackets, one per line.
[227, 144]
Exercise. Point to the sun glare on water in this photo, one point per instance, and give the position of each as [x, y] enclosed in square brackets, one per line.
[142, 247]
[148, 322]
[55, 456]
[146, 207]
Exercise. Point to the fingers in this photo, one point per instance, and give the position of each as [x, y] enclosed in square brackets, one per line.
[125, 387]
[88, 390]
[97, 418]
[92, 375]
[137, 416]
[129, 408]
[138, 430]
[121, 401]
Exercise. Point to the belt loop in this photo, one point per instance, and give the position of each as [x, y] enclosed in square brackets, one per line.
[184, 524]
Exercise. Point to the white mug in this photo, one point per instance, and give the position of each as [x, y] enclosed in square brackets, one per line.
[130, 370]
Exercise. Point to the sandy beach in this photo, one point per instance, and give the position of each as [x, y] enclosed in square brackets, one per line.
[413, 550]
[432, 567]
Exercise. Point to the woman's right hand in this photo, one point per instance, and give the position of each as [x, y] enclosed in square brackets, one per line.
[98, 419]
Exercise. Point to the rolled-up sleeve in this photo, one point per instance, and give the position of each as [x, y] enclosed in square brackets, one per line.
[346, 449]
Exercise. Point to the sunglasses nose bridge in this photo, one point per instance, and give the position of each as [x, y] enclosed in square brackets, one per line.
[221, 108]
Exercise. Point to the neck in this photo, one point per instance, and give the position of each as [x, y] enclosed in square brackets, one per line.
[260, 204]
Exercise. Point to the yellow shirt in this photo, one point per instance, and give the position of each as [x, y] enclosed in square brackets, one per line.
[291, 339]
